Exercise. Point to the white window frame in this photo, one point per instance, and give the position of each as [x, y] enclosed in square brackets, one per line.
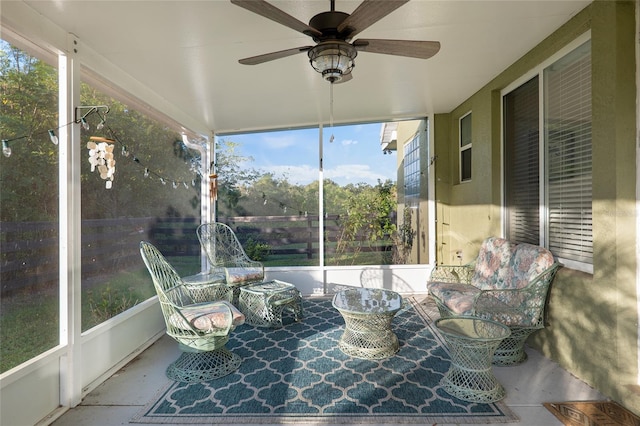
[466, 147]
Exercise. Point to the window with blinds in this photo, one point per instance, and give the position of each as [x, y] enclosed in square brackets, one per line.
[563, 192]
[567, 121]
[522, 163]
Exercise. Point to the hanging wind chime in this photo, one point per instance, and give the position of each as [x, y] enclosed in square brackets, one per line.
[101, 157]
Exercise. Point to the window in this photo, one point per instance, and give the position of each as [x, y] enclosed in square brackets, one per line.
[155, 196]
[412, 172]
[29, 210]
[465, 148]
[270, 184]
[548, 171]
[522, 163]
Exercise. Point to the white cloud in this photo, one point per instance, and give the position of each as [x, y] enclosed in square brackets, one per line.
[349, 142]
[353, 173]
[342, 174]
[280, 142]
[297, 175]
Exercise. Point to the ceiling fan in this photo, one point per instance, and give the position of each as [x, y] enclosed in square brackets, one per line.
[333, 55]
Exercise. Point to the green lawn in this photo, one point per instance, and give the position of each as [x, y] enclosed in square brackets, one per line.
[29, 321]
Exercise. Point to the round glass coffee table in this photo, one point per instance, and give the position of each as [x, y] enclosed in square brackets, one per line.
[368, 313]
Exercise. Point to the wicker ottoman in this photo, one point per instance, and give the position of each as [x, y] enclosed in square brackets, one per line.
[263, 303]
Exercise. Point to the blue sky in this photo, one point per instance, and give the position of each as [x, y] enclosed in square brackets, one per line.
[354, 156]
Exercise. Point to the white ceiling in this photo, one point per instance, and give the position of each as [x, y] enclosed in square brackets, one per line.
[187, 53]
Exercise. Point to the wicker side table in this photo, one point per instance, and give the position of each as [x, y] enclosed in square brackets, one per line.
[472, 343]
[368, 314]
[263, 303]
[208, 287]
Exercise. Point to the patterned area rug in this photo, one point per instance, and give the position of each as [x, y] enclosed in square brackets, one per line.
[592, 413]
[298, 375]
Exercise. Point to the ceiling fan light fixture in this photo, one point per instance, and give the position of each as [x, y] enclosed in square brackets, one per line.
[333, 59]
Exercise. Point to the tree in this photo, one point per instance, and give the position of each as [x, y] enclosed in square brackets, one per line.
[234, 173]
[368, 219]
[28, 108]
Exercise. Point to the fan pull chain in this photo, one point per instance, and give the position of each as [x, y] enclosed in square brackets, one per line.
[331, 110]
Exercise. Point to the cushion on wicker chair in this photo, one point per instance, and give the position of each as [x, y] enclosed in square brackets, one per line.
[492, 265]
[239, 275]
[459, 297]
[208, 317]
[528, 261]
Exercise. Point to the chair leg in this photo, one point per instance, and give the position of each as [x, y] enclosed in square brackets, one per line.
[511, 350]
[194, 367]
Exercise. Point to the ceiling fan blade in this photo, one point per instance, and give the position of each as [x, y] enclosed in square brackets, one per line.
[269, 11]
[410, 48]
[368, 13]
[254, 60]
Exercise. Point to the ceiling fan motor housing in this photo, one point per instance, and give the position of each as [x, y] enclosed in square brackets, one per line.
[327, 23]
[332, 57]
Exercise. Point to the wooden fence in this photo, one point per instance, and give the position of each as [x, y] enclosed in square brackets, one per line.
[29, 252]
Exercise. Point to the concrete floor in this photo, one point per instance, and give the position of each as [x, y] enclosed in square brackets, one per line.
[125, 394]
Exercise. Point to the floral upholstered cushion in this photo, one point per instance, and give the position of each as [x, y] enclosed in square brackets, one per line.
[528, 261]
[492, 266]
[458, 298]
[208, 317]
[240, 275]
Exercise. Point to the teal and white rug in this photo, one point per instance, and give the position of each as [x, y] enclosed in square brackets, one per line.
[298, 375]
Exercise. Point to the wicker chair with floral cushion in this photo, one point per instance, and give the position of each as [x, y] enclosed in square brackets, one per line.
[227, 258]
[508, 283]
[201, 329]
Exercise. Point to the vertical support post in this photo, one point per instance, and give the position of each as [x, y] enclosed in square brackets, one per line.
[70, 226]
[431, 192]
[637, 212]
[205, 201]
[309, 240]
[321, 209]
[211, 160]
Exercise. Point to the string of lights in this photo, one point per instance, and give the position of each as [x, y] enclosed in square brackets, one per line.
[99, 152]
[148, 173]
[101, 155]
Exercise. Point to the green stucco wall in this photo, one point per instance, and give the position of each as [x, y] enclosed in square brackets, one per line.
[592, 319]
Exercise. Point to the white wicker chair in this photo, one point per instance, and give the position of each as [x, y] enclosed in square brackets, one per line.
[201, 329]
[227, 257]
